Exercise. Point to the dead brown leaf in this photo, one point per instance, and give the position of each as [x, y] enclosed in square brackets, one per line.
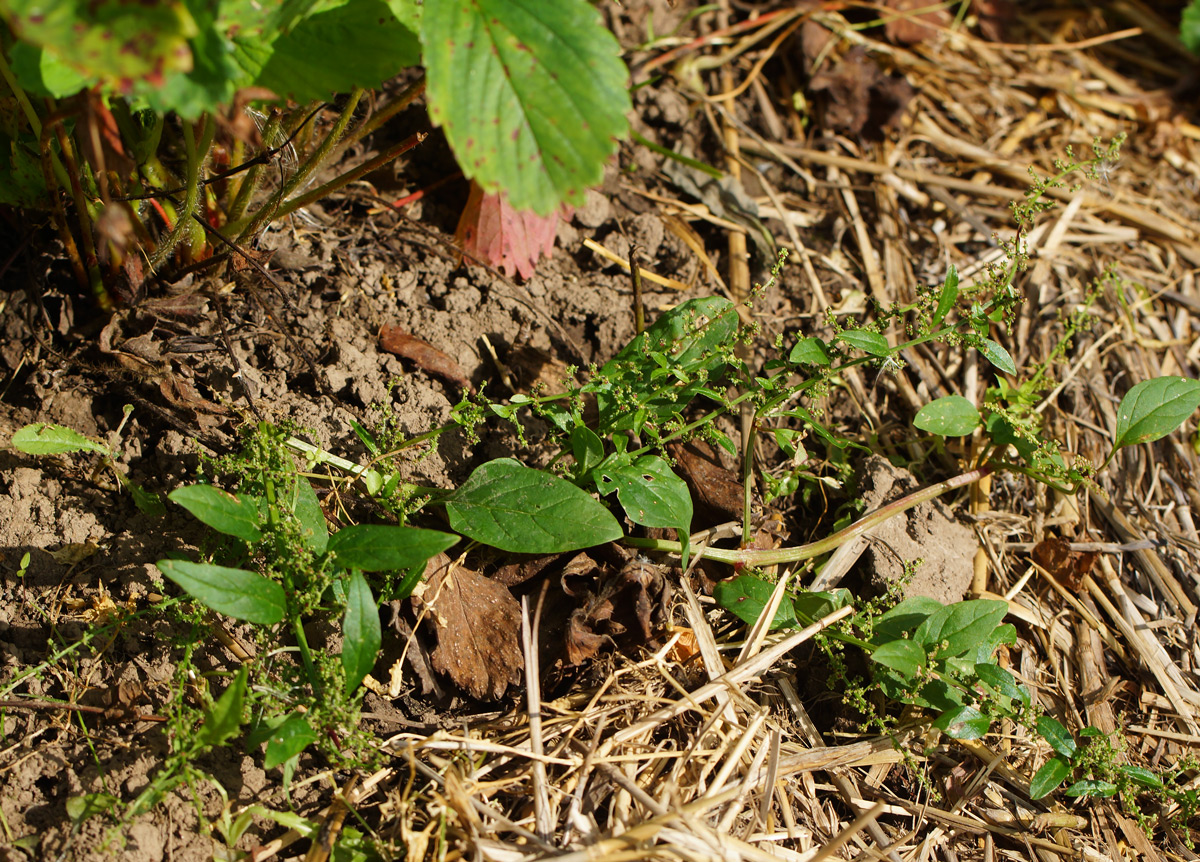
[424, 355]
[1066, 566]
[716, 490]
[478, 625]
[910, 25]
[858, 96]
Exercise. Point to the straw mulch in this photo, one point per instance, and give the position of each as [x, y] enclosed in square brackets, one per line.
[718, 758]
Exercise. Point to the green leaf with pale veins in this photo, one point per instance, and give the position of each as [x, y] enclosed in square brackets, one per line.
[516, 508]
[531, 94]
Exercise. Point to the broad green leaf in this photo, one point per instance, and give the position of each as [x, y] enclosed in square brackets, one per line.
[44, 73]
[1142, 777]
[516, 508]
[746, 597]
[902, 656]
[44, 439]
[812, 606]
[532, 95]
[588, 449]
[810, 351]
[953, 630]
[1001, 680]
[1092, 787]
[235, 516]
[361, 636]
[223, 718]
[904, 618]
[379, 547]
[866, 341]
[653, 496]
[1053, 773]
[947, 297]
[288, 740]
[949, 416]
[1189, 26]
[236, 593]
[998, 356]
[1057, 736]
[1154, 408]
[965, 722]
[87, 806]
[307, 509]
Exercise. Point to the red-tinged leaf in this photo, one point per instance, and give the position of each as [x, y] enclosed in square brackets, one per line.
[492, 232]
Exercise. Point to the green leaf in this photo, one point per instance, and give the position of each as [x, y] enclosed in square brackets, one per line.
[235, 516]
[1001, 680]
[361, 636]
[532, 95]
[866, 341]
[811, 606]
[1057, 736]
[43, 73]
[746, 597]
[953, 630]
[998, 356]
[950, 416]
[904, 618]
[965, 722]
[902, 656]
[516, 508]
[1189, 26]
[223, 718]
[1092, 787]
[653, 496]
[810, 351]
[380, 547]
[1053, 773]
[947, 297]
[236, 593]
[307, 509]
[87, 806]
[1142, 777]
[44, 439]
[588, 449]
[148, 503]
[1154, 408]
[288, 740]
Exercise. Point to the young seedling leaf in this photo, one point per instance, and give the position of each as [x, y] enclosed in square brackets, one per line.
[307, 509]
[746, 596]
[45, 439]
[531, 96]
[947, 297]
[866, 341]
[236, 593]
[902, 656]
[810, 351]
[965, 722]
[957, 628]
[517, 508]
[1154, 408]
[1053, 773]
[949, 416]
[998, 356]
[288, 740]
[382, 547]
[235, 516]
[653, 496]
[223, 718]
[361, 636]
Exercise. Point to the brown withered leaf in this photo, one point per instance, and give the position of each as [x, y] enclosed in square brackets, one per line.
[422, 354]
[858, 96]
[478, 626]
[909, 25]
[1066, 566]
[716, 490]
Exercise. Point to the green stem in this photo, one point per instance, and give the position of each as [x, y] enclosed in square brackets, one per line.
[248, 184]
[752, 557]
[196, 154]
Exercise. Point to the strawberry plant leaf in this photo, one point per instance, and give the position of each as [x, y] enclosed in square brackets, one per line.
[235, 516]
[957, 628]
[866, 341]
[998, 356]
[746, 596]
[45, 439]
[491, 231]
[287, 740]
[532, 95]
[950, 416]
[1053, 773]
[517, 508]
[1154, 408]
[653, 496]
[361, 636]
[236, 593]
[382, 547]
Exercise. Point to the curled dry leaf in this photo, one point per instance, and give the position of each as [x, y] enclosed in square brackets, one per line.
[422, 354]
[492, 232]
[478, 626]
[1068, 567]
